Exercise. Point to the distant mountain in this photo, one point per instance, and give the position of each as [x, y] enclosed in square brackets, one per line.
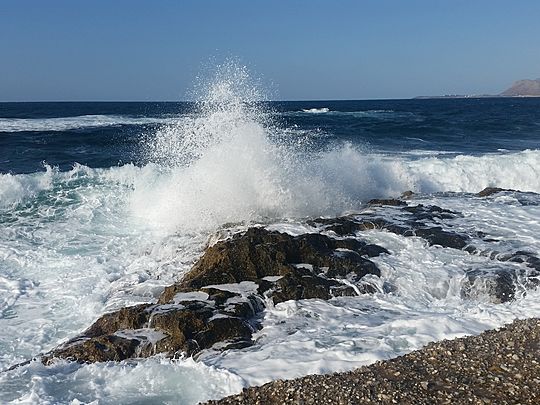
[521, 88]
[524, 88]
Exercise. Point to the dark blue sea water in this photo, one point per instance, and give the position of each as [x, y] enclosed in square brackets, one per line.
[109, 134]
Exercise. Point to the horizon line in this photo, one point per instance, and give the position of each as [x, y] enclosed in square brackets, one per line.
[457, 96]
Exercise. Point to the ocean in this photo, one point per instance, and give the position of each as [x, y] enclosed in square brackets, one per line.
[102, 205]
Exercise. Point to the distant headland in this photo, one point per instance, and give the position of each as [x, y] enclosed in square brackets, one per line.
[520, 88]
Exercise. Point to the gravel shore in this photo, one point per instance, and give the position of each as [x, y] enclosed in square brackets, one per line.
[497, 367]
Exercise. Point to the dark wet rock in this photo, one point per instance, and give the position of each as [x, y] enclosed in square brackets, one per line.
[301, 283]
[437, 236]
[413, 225]
[101, 348]
[342, 226]
[220, 297]
[471, 249]
[193, 329]
[350, 225]
[533, 262]
[371, 250]
[218, 303]
[528, 258]
[260, 253]
[186, 328]
[500, 285]
[126, 318]
[394, 202]
[421, 212]
[407, 195]
[490, 191]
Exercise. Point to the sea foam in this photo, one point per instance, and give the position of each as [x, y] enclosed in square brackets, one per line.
[11, 125]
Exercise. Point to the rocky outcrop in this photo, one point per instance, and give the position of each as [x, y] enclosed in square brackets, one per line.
[496, 284]
[218, 303]
[503, 284]
[259, 253]
[388, 201]
[491, 190]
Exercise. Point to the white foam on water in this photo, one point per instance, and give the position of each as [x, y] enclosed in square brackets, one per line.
[70, 251]
[243, 288]
[77, 122]
[14, 189]
[144, 334]
[154, 380]
[316, 110]
[378, 114]
[229, 164]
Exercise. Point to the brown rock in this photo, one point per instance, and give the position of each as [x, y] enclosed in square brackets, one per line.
[490, 191]
[260, 253]
[202, 311]
[388, 201]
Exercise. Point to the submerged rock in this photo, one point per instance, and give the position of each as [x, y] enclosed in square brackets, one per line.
[437, 236]
[218, 303]
[498, 285]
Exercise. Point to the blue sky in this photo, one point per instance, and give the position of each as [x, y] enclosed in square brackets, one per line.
[153, 50]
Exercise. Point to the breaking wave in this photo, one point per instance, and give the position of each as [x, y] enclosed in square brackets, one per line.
[316, 110]
[248, 179]
[78, 122]
[229, 163]
[373, 114]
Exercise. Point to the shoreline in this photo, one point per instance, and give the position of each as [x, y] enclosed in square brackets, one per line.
[497, 366]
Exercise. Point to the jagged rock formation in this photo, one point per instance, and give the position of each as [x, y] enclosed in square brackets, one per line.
[524, 88]
[218, 303]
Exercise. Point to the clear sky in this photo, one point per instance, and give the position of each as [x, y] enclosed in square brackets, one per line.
[153, 50]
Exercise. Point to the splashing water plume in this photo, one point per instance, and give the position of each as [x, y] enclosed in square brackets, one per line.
[221, 166]
[230, 162]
